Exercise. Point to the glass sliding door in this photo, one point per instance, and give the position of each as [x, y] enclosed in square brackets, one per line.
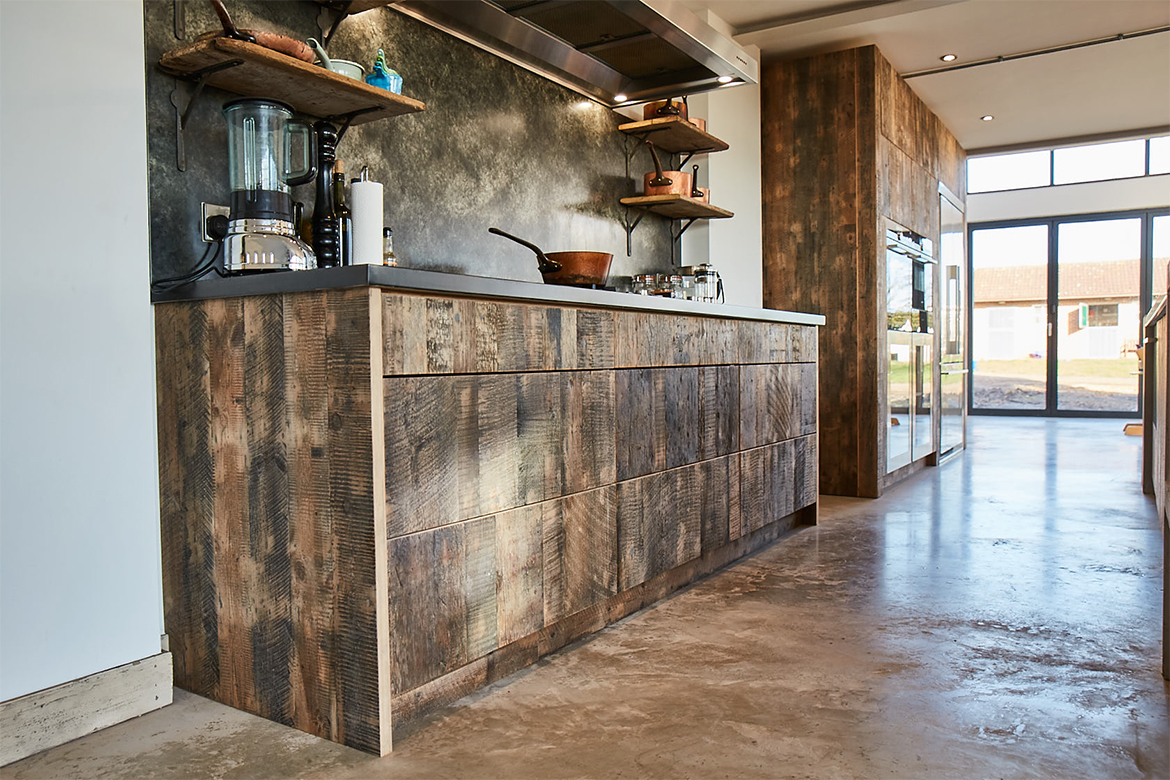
[1009, 318]
[1056, 312]
[1098, 315]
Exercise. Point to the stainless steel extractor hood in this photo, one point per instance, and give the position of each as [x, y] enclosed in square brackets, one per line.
[639, 49]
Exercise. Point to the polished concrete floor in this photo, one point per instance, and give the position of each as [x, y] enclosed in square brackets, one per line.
[996, 617]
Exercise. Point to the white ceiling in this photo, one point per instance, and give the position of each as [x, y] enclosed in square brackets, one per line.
[1109, 88]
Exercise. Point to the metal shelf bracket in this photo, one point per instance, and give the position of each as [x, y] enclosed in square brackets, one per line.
[629, 226]
[184, 103]
[347, 119]
[678, 235]
[328, 20]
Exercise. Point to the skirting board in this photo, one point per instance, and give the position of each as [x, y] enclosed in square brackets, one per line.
[54, 716]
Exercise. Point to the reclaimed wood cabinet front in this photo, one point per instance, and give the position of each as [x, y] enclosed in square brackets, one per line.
[376, 502]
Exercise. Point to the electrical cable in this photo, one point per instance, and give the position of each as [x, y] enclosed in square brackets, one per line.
[205, 265]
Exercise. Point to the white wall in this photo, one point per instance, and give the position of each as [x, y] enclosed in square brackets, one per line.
[1087, 198]
[80, 580]
[737, 244]
[734, 246]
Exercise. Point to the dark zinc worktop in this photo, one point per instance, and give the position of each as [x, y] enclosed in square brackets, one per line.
[416, 280]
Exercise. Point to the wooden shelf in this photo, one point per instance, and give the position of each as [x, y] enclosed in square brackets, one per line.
[309, 89]
[675, 134]
[677, 207]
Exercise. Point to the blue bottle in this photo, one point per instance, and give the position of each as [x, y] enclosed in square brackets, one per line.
[383, 77]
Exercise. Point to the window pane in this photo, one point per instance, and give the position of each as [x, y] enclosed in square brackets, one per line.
[1009, 324]
[1098, 324]
[1160, 154]
[1008, 171]
[1100, 161]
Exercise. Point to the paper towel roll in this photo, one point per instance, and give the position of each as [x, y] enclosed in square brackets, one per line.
[366, 211]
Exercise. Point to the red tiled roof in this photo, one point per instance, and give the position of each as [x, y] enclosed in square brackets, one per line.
[1078, 281]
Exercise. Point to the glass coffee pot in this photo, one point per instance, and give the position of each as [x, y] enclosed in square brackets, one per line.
[708, 284]
[261, 228]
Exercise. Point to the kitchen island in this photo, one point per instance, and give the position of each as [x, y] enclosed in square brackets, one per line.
[1155, 419]
[384, 488]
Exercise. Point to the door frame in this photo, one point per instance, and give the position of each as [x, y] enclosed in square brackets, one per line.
[941, 456]
[1052, 305]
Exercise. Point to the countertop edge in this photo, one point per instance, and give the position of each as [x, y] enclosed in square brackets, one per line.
[419, 281]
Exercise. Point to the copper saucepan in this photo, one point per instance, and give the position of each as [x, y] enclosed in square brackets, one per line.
[582, 269]
[660, 182]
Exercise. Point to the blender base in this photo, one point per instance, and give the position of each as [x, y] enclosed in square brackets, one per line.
[265, 245]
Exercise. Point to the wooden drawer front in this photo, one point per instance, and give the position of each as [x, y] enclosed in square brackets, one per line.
[777, 480]
[434, 335]
[461, 591]
[767, 342]
[669, 417]
[667, 519]
[646, 339]
[776, 402]
[422, 335]
[459, 447]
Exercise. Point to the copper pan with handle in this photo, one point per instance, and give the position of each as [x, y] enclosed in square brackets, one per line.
[580, 269]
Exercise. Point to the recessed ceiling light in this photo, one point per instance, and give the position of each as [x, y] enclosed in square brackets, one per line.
[949, 57]
[620, 98]
[725, 79]
[987, 117]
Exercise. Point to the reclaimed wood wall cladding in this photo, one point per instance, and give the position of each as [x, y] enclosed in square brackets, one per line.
[820, 221]
[375, 502]
[846, 145]
[270, 494]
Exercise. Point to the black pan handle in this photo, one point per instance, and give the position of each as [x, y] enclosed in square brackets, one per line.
[545, 265]
[660, 180]
[229, 27]
[695, 191]
[670, 109]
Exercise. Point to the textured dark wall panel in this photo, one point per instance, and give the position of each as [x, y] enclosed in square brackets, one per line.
[497, 145]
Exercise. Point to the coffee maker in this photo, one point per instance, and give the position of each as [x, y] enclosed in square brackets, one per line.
[261, 232]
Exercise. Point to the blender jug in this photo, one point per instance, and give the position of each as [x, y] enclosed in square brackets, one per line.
[261, 230]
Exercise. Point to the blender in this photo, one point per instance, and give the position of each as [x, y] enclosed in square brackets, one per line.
[261, 232]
